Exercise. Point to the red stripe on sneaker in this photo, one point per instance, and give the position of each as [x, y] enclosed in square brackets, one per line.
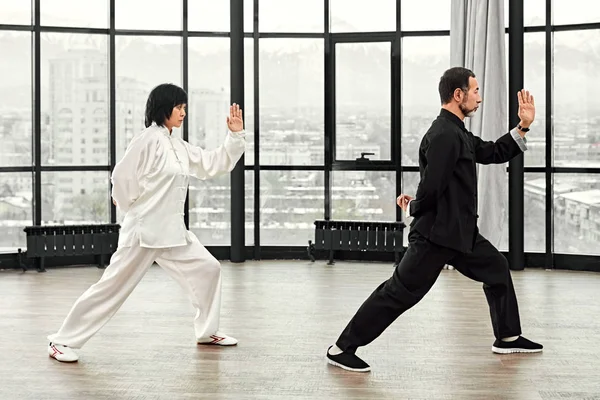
[216, 339]
[56, 351]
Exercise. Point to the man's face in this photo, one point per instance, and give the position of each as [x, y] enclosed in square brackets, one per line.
[471, 99]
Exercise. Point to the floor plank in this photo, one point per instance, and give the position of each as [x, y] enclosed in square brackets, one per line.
[285, 314]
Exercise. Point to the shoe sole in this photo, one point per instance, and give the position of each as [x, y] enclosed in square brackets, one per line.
[498, 350]
[62, 361]
[217, 344]
[335, 364]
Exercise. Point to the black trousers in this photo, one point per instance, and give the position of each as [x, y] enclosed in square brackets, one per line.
[415, 275]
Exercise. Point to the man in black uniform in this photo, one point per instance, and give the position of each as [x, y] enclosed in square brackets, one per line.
[444, 229]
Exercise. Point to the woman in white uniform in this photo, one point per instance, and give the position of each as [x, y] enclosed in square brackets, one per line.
[150, 185]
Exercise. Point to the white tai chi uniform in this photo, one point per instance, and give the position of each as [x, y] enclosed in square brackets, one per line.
[150, 185]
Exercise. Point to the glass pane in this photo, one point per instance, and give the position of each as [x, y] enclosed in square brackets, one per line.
[248, 111]
[209, 93]
[75, 103]
[149, 14]
[248, 15]
[249, 206]
[208, 15]
[350, 16]
[291, 16]
[75, 197]
[535, 82]
[291, 102]
[437, 17]
[576, 213]
[410, 183]
[535, 212]
[363, 100]
[290, 202]
[135, 83]
[424, 60]
[534, 12]
[576, 101]
[210, 210]
[363, 195]
[71, 13]
[15, 100]
[16, 210]
[575, 11]
[15, 12]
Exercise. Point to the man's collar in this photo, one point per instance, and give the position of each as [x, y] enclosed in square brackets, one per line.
[449, 115]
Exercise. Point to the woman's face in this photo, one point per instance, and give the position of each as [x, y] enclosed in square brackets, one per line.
[177, 117]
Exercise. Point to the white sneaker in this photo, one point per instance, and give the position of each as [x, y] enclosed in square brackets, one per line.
[62, 353]
[219, 339]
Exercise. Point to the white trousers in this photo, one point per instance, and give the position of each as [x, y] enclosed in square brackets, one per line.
[192, 266]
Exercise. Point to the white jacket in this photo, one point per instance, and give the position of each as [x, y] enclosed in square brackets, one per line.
[150, 183]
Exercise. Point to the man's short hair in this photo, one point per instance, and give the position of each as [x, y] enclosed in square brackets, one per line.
[454, 78]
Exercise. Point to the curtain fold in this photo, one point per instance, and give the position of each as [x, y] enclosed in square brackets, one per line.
[477, 42]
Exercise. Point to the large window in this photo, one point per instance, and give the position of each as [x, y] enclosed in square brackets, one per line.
[297, 118]
[363, 101]
[75, 197]
[364, 195]
[74, 99]
[291, 101]
[576, 213]
[290, 201]
[576, 140]
[576, 103]
[15, 100]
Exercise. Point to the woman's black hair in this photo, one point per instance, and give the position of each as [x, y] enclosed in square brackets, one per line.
[161, 101]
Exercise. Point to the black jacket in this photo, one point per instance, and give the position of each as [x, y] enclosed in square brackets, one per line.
[445, 205]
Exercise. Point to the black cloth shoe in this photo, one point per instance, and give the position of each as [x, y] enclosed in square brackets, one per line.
[348, 361]
[521, 345]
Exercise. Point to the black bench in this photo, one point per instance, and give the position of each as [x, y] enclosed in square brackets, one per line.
[333, 236]
[71, 240]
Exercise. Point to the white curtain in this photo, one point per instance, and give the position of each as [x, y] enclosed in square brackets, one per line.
[477, 43]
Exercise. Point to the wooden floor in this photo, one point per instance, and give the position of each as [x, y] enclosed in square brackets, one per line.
[285, 314]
